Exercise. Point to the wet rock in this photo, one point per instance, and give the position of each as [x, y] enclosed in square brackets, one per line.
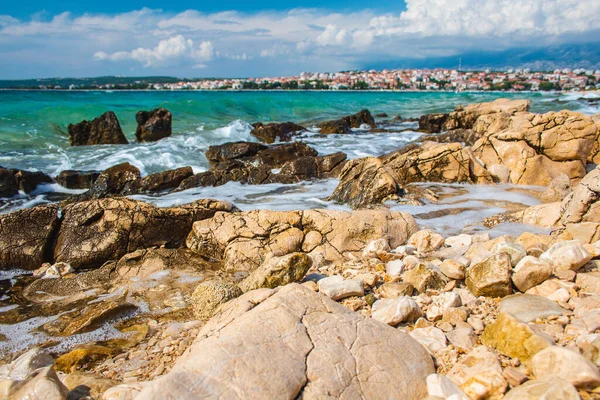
[364, 181]
[337, 288]
[102, 130]
[81, 385]
[566, 364]
[479, 375]
[158, 182]
[97, 231]
[432, 123]
[491, 277]
[432, 338]
[271, 133]
[72, 179]
[41, 384]
[277, 271]
[26, 363]
[82, 356]
[551, 388]
[243, 240]
[395, 311]
[305, 335]
[28, 181]
[211, 294]
[513, 338]
[423, 277]
[153, 125]
[528, 308]
[569, 255]
[345, 124]
[26, 237]
[8, 183]
[233, 151]
[530, 272]
[426, 241]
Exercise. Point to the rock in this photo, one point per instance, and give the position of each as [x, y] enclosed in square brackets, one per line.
[559, 188]
[376, 247]
[432, 338]
[392, 290]
[26, 237]
[491, 277]
[465, 116]
[97, 231]
[345, 124]
[581, 205]
[513, 338]
[28, 362]
[463, 339]
[548, 388]
[41, 384]
[28, 181]
[211, 294]
[528, 307]
[440, 386]
[243, 240]
[566, 364]
[566, 255]
[290, 342]
[127, 391]
[83, 356]
[459, 240]
[72, 179]
[442, 303]
[423, 277]
[160, 181]
[8, 184]
[515, 251]
[364, 181]
[233, 151]
[453, 269]
[466, 136]
[102, 130]
[153, 125]
[57, 270]
[81, 385]
[337, 288]
[589, 282]
[277, 271]
[530, 272]
[395, 311]
[394, 268]
[432, 123]
[479, 375]
[514, 377]
[426, 241]
[271, 133]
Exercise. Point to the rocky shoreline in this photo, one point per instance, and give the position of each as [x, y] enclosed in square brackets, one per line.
[134, 301]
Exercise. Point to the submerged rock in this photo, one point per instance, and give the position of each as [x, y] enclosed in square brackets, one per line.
[102, 130]
[271, 133]
[153, 125]
[291, 341]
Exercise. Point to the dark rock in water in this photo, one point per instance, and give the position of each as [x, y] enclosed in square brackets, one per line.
[97, 231]
[153, 125]
[102, 130]
[363, 182]
[382, 115]
[110, 182]
[8, 184]
[233, 150]
[158, 182]
[26, 237]
[29, 180]
[72, 179]
[466, 136]
[271, 133]
[432, 123]
[344, 125]
[275, 156]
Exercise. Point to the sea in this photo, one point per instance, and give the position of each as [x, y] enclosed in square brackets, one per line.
[33, 136]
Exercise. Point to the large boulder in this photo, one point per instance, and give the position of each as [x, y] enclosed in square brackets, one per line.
[432, 123]
[284, 344]
[271, 133]
[14, 180]
[96, 231]
[26, 237]
[153, 125]
[364, 181]
[244, 240]
[102, 130]
[345, 124]
[464, 117]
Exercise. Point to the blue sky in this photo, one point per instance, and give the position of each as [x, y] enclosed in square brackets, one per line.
[268, 38]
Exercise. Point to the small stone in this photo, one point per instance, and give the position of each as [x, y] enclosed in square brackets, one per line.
[566, 255]
[395, 311]
[459, 240]
[589, 282]
[28, 362]
[567, 364]
[392, 290]
[426, 241]
[394, 268]
[368, 279]
[515, 251]
[479, 374]
[528, 308]
[277, 271]
[337, 288]
[441, 386]
[514, 377]
[491, 277]
[433, 339]
[530, 272]
[453, 269]
[375, 247]
[423, 277]
[463, 339]
[476, 323]
[547, 388]
[210, 294]
[406, 250]
[442, 303]
[456, 315]
[565, 275]
[43, 383]
[58, 270]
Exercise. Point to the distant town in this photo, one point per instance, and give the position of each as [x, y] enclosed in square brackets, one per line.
[396, 80]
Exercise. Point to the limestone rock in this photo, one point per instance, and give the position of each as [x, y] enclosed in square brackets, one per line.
[566, 364]
[126, 391]
[103, 130]
[528, 307]
[394, 268]
[441, 303]
[392, 290]
[440, 386]
[515, 251]
[426, 241]
[432, 123]
[395, 311]
[547, 388]
[337, 288]
[589, 282]
[160, 181]
[491, 277]
[277, 271]
[479, 375]
[286, 346]
[84, 384]
[153, 125]
[432, 338]
[559, 188]
[582, 204]
[530, 272]
[513, 338]
[26, 237]
[41, 384]
[465, 116]
[211, 294]
[566, 255]
[463, 339]
[453, 269]
[423, 277]
[271, 133]
[28, 362]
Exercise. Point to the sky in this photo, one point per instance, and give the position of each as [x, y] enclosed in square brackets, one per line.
[273, 38]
